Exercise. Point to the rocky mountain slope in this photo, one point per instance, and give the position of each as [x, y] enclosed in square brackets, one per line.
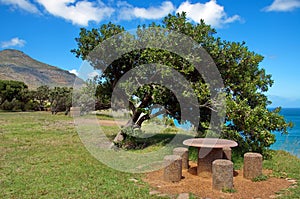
[16, 65]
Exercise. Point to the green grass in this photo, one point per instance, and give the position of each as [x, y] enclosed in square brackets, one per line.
[42, 156]
[227, 190]
[260, 178]
[285, 165]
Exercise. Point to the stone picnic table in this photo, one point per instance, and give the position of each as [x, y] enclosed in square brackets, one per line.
[209, 149]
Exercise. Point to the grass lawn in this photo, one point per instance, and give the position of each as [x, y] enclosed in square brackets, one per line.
[41, 156]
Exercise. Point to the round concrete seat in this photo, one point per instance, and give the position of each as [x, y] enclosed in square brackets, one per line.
[75, 111]
[173, 168]
[184, 154]
[227, 153]
[222, 174]
[252, 165]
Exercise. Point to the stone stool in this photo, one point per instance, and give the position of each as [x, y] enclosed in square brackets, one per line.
[252, 165]
[184, 154]
[173, 168]
[222, 174]
[227, 153]
[75, 111]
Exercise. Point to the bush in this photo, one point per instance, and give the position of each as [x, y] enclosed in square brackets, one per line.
[7, 106]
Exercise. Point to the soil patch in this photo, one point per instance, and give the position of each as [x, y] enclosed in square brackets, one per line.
[202, 187]
[111, 123]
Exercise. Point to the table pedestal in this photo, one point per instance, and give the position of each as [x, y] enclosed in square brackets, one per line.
[205, 158]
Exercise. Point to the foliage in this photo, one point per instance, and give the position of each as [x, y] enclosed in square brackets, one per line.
[260, 178]
[14, 95]
[227, 190]
[85, 97]
[60, 99]
[10, 90]
[42, 95]
[248, 121]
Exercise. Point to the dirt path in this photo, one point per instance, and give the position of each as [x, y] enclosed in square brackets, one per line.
[111, 123]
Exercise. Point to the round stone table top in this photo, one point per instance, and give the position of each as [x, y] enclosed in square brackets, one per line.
[210, 142]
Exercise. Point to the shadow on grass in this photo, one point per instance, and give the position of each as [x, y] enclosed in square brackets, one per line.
[103, 116]
[157, 140]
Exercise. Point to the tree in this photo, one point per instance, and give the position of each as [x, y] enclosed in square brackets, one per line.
[60, 99]
[247, 120]
[42, 96]
[9, 90]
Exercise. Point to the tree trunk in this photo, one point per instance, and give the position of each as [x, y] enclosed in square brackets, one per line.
[135, 122]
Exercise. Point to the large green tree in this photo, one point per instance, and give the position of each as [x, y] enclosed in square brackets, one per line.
[247, 118]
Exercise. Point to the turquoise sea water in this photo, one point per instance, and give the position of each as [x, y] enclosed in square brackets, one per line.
[290, 142]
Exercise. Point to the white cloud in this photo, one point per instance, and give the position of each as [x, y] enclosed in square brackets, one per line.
[283, 5]
[74, 71]
[154, 12]
[128, 11]
[93, 74]
[78, 12]
[14, 42]
[23, 4]
[81, 12]
[212, 13]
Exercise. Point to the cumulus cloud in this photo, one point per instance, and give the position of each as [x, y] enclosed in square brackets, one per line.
[14, 42]
[81, 12]
[92, 74]
[22, 4]
[283, 5]
[78, 12]
[128, 11]
[74, 71]
[212, 13]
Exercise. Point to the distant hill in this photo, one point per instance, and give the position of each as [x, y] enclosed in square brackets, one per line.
[16, 65]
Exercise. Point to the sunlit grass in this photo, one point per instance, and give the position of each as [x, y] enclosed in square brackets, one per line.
[42, 156]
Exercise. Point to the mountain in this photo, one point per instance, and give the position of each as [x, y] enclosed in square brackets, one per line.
[16, 65]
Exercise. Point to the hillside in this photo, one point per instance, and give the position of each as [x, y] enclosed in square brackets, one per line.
[16, 65]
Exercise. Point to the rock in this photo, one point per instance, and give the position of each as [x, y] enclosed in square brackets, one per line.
[183, 196]
[154, 192]
[291, 180]
[133, 180]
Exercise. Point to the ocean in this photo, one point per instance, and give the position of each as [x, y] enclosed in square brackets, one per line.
[290, 142]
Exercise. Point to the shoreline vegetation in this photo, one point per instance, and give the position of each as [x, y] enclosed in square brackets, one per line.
[42, 156]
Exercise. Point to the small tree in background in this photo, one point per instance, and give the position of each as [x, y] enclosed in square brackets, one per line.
[14, 95]
[60, 99]
[10, 90]
[42, 95]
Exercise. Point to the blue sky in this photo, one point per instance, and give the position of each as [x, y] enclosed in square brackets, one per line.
[45, 30]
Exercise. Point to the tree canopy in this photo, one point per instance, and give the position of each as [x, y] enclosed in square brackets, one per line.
[10, 89]
[247, 118]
